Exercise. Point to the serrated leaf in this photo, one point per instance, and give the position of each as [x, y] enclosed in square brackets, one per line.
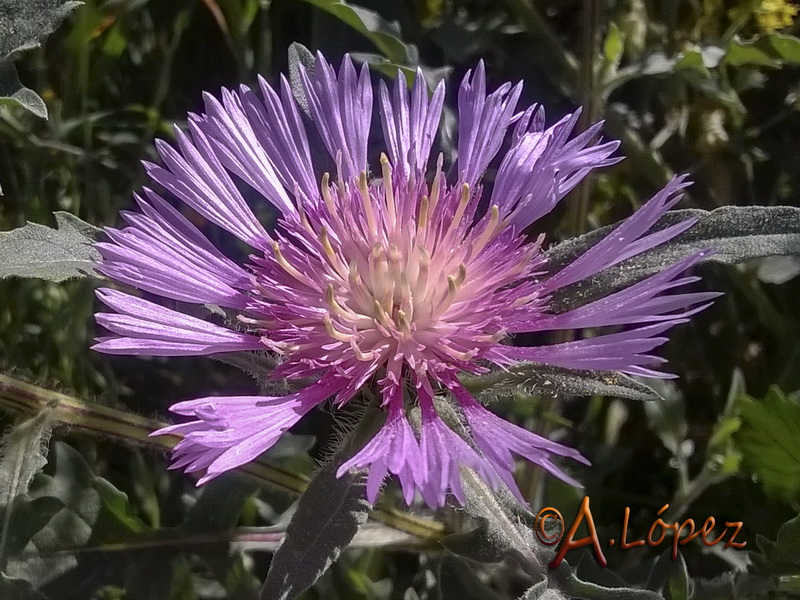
[769, 439]
[327, 517]
[53, 254]
[546, 380]
[458, 581]
[23, 453]
[13, 92]
[735, 233]
[384, 34]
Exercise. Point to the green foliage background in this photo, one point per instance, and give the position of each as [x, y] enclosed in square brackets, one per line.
[697, 86]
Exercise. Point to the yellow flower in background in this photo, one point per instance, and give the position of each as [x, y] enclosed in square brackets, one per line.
[772, 15]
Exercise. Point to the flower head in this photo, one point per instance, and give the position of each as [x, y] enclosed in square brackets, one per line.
[386, 273]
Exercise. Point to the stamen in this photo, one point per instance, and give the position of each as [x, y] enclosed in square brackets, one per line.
[363, 188]
[326, 245]
[380, 314]
[281, 260]
[488, 233]
[363, 356]
[337, 335]
[422, 221]
[462, 206]
[330, 298]
[325, 188]
[386, 168]
[339, 178]
[436, 184]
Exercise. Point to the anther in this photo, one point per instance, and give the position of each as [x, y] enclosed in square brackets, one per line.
[422, 221]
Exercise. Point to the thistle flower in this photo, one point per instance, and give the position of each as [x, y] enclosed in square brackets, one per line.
[387, 274]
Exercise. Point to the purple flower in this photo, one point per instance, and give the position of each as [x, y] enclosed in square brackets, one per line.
[388, 275]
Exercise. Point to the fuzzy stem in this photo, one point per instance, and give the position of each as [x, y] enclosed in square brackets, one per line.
[104, 421]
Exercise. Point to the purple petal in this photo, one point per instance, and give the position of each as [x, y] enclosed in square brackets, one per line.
[143, 327]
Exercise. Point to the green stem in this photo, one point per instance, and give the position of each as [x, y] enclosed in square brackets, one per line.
[264, 539]
[104, 421]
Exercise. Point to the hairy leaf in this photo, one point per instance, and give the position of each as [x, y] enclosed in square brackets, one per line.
[574, 587]
[541, 591]
[23, 453]
[328, 516]
[53, 254]
[13, 92]
[769, 439]
[300, 56]
[734, 233]
[545, 380]
[458, 581]
[24, 24]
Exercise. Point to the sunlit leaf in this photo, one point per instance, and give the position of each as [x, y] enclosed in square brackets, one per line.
[53, 254]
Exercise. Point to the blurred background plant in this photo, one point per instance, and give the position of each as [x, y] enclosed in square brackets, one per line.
[708, 87]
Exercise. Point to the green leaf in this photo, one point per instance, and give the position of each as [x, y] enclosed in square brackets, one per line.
[769, 439]
[53, 254]
[384, 34]
[545, 380]
[678, 584]
[28, 518]
[458, 581]
[220, 504]
[116, 520]
[327, 518]
[735, 233]
[13, 92]
[771, 50]
[71, 481]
